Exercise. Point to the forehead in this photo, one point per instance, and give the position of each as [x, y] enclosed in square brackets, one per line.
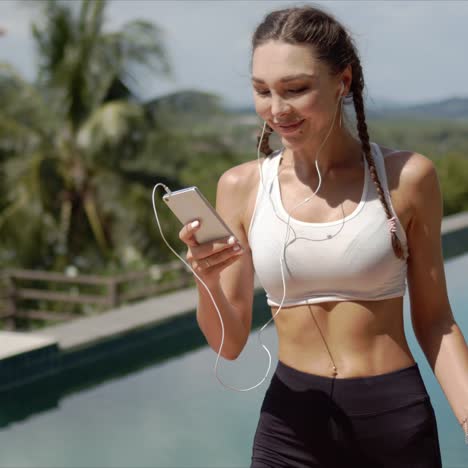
[275, 60]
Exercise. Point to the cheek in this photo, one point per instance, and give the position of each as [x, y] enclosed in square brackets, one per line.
[309, 105]
[262, 106]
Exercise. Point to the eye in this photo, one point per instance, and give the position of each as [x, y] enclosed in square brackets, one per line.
[297, 90]
[261, 92]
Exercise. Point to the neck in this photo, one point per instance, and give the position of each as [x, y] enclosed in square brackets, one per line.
[340, 151]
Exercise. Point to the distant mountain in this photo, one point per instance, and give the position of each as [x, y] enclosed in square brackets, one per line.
[453, 108]
[191, 101]
[246, 109]
[377, 104]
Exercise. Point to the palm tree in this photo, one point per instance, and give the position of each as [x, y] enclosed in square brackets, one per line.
[66, 138]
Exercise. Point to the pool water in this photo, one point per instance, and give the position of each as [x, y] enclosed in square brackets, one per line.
[175, 414]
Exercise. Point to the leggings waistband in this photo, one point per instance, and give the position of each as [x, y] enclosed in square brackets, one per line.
[363, 395]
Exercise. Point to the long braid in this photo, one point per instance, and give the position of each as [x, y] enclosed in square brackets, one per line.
[265, 146]
[357, 88]
[335, 47]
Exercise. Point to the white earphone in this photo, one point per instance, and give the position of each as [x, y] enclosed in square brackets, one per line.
[281, 259]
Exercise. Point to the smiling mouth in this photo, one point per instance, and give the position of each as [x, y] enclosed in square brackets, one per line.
[290, 126]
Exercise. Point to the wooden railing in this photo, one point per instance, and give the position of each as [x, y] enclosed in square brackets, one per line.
[118, 289]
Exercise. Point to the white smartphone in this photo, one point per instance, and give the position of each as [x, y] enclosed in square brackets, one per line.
[189, 204]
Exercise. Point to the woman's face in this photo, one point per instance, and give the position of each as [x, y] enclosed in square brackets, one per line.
[294, 92]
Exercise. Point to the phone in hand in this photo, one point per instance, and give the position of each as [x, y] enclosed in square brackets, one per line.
[189, 204]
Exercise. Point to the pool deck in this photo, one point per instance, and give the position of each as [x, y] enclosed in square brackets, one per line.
[25, 357]
[455, 222]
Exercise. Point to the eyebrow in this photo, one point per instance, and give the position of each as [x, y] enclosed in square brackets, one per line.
[288, 78]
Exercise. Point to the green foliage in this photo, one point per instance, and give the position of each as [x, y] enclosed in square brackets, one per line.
[64, 138]
[433, 138]
[445, 142]
[80, 154]
[86, 65]
[453, 175]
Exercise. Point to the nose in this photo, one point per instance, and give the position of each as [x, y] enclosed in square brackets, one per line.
[279, 107]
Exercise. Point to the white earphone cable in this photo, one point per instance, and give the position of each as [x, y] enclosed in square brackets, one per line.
[286, 238]
[282, 258]
[212, 299]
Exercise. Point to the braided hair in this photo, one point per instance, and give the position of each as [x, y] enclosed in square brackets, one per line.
[333, 45]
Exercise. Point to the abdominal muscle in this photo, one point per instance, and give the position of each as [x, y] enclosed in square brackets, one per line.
[364, 338]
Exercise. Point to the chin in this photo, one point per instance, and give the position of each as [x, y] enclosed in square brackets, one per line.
[293, 142]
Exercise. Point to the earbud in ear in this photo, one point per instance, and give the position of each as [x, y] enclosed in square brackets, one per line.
[342, 89]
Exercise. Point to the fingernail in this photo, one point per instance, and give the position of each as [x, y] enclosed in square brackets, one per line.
[195, 224]
[236, 248]
[231, 240]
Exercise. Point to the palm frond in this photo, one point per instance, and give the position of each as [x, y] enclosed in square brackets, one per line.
[53, 37]
[65, 139]
[142, 43]
[23, 102]
[136, 46]
[113, 132]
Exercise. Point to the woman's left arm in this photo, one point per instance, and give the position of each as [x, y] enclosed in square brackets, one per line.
[435, 328]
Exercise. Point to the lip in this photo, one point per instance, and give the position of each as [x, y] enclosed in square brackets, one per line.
[287, 129]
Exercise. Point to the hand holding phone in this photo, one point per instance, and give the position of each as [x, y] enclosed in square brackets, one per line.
[215, 245]
[188, 205]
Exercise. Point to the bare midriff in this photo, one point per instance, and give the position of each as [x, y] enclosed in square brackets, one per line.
[361, 338]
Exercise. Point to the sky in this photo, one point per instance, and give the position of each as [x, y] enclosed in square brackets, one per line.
[411, 51]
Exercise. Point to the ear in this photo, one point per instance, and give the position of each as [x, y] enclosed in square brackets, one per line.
[346, 79]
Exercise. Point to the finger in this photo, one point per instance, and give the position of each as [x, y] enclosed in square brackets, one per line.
[187, 233]
[228, 261]
[218, 258]
[209, 248]
[189, 256]
[203, 265]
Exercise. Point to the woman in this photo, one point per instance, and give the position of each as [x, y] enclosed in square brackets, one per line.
[347, 390]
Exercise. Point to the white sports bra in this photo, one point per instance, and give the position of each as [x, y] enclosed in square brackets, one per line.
[348, 259]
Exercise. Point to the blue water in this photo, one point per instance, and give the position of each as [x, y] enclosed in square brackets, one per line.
[176, 414]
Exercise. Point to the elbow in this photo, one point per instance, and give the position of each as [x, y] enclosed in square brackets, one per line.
[231, 356]
[233, 352]
[229, 351]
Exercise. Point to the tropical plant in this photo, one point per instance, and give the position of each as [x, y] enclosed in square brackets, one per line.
[65, 139]
[453, 174]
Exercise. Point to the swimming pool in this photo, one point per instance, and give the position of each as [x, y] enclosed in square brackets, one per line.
[145, 413]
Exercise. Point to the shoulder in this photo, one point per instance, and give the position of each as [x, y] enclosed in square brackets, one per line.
[243, 180]
[237, 188]
[413, 176]
[241, 176]
[414, 170]
[236, 195]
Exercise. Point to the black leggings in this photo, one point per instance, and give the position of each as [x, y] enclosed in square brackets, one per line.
[307, 420]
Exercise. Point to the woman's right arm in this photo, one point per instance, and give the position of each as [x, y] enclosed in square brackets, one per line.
[230, 274]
